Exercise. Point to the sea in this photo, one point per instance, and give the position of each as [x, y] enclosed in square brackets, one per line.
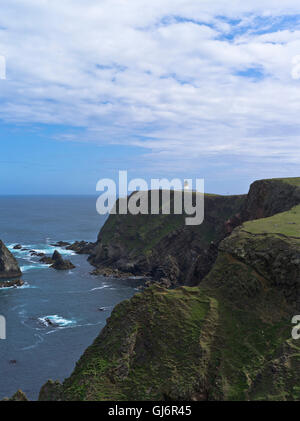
[75, 302]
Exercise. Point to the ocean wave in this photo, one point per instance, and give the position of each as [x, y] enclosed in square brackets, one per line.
[102, 287]
[32, 267]
[57, 321]
[39, 248]
[50, 250]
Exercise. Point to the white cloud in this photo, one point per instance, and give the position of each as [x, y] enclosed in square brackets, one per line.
[163, 75]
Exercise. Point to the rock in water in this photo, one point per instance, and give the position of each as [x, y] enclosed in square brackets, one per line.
[61, 244]
[47, 260]
[9, 267]
[60, 263]
[82, 247]
[12, 284]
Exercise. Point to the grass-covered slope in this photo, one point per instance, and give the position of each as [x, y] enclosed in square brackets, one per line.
[284, 224]
[145, 353]
[257, 275]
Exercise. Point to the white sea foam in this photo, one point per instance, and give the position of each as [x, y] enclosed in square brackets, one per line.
[51, 249]
[33, 267]
[25, 286]
[56, 320]
[103, 286]
[40, 248]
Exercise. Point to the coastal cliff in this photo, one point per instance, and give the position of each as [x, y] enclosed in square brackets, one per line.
[172, 253]
[228, 338]
[162, 246]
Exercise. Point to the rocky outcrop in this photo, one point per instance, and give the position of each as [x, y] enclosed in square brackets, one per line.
[269, 197]
[12, 284]
[19, 396]
[9, 267]
[61, 244]
[51, 391]
[81, 247]
[47, 260]
[59, 263]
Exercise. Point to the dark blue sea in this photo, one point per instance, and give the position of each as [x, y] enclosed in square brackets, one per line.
[35, 351]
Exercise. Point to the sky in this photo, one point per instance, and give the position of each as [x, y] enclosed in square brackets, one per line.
[161, 88]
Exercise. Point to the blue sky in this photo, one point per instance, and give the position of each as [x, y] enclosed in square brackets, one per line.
[172, 88]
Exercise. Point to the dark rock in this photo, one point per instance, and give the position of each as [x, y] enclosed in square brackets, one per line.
[13, 362]
[18, 247]
[111, 273]
[82, 247]
[34, 253]
[47, 260]
[10, 284]
[49, 322]
[61, 244]
[60, 263]
[269, 197]
[9, 267]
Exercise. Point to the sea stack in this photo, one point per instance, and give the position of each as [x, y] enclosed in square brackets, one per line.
[60, 263]
[9, 267]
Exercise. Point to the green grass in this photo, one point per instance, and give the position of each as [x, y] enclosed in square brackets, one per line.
[295, 181]
[286, 223]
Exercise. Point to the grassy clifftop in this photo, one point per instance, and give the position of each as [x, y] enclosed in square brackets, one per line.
[284, 224]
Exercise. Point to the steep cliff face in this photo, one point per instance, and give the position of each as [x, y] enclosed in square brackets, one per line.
[265, 199]
[227, 339]
[268, 197]
[9, 267]
[162, 246]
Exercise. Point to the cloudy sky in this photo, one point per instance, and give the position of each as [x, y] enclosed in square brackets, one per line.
[161, 88]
